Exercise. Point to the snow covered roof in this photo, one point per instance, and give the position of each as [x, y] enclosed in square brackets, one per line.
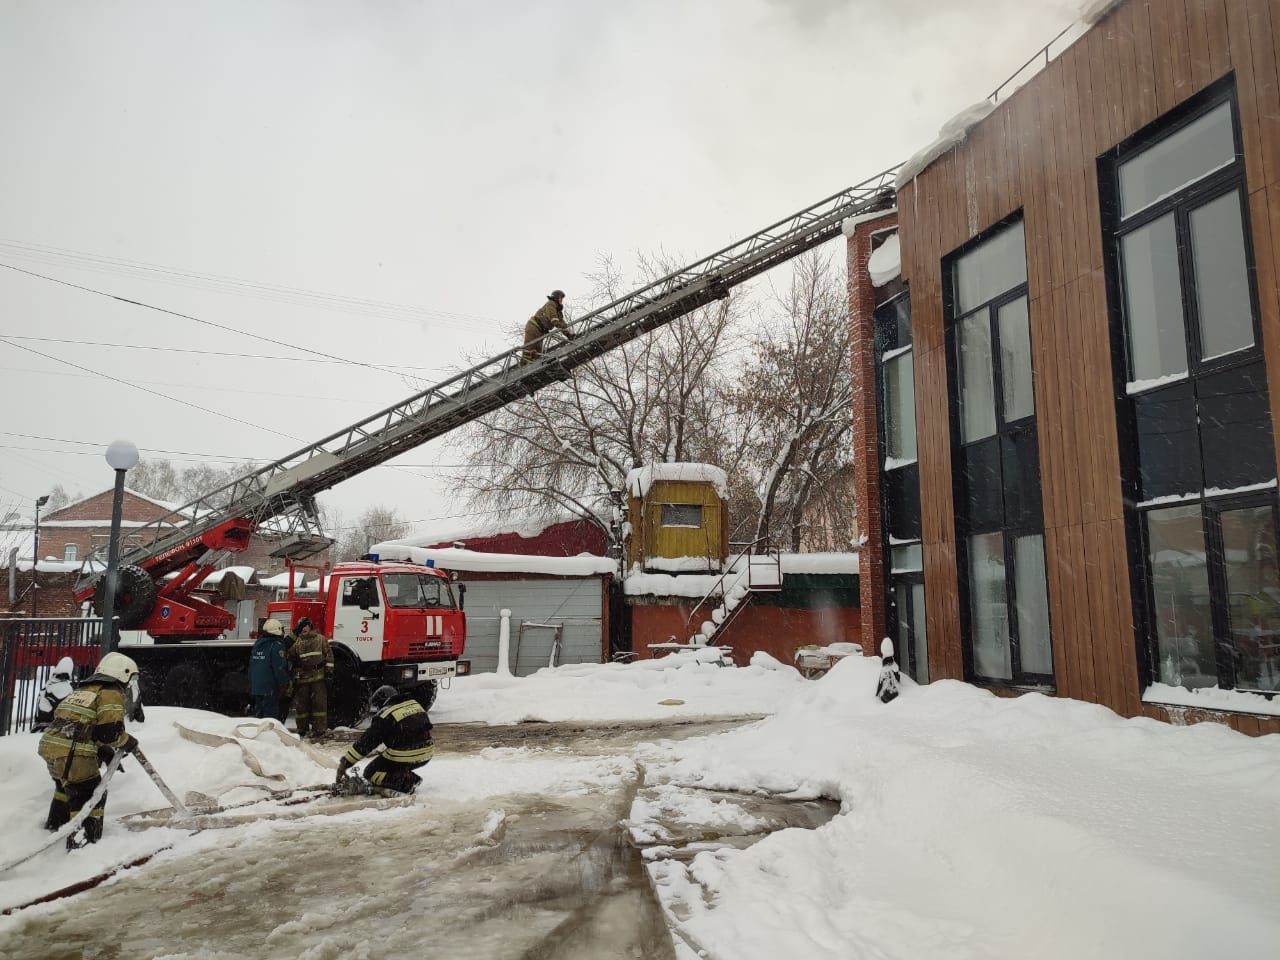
[167, 505]
[952, 134]
[640, 480]
[526, 526]
[885, 261]
[51, 566]
[281, 580]
[849, 224]
[246, 574]
[450, 558]
[700, 584]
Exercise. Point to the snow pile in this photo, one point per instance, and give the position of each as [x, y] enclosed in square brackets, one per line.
[615, 691]
[640, 480]
[452, 558]
[885, 262]
[952, 134]
[978, 826]
[969, 825]
[1212, 698]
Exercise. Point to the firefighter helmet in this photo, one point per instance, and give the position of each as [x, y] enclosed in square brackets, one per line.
[273, 628]
[118, 667]
[556, 295]
[381, 697]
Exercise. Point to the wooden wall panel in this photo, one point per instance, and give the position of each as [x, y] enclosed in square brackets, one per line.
[1037, 153]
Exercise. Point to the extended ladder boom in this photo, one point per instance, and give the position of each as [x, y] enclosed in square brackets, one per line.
[280, 497]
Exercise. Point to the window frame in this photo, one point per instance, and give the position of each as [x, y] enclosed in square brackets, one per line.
[662, 516]
[1223, 181]
[1005, 431]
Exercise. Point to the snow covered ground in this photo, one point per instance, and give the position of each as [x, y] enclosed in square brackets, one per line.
[969, 825]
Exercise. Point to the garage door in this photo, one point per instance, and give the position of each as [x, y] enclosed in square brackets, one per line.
[573, 605]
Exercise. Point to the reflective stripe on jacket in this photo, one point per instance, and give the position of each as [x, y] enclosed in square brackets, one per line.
[91, 717]
[405, 728]
[311, 657]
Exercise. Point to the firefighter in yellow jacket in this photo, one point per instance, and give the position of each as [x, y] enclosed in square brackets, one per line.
[550, 316]
[86, 730]
[312, 660]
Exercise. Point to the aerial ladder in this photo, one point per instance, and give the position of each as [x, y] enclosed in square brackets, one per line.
[170, 559]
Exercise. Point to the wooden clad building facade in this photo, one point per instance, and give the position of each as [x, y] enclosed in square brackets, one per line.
[1090, 281]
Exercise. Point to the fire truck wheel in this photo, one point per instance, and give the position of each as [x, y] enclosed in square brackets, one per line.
[347, 694]
[135, 596]
[187, 685]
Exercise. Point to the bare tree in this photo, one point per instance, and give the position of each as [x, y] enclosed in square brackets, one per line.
[375, 525]
[794, 405]
[58, 498]
[661, 398]
[154, 478]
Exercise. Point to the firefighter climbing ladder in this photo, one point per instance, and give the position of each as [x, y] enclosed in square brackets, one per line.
[280, 497]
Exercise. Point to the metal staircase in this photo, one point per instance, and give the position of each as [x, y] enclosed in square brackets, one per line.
[278, 500]
[756, 569]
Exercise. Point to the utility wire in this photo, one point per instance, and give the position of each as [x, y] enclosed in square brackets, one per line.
[155, 393]
[187, 316]
[212, 353]
[272, 292]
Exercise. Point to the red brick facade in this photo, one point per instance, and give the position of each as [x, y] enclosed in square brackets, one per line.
[86, 524]
[866, 434]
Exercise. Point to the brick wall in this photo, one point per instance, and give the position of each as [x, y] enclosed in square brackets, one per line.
[57, 595]
[777, 631]
[866, 437]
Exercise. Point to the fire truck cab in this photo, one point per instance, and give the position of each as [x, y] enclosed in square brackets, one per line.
[394, 622]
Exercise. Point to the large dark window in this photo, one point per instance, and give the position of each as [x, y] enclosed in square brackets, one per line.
[1195, 427]
[999, 520]
[900, 483]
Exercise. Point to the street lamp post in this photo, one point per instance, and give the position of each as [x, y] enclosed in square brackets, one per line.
[35, 556]
[122, 457]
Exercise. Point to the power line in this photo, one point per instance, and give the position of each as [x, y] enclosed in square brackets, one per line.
[165, 383]
[186, 316]
[278, 293]
[212, 353]
[156, 393]
[178, 454]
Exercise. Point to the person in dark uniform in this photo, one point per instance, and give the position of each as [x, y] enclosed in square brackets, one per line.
[268, 671]
[400, 722]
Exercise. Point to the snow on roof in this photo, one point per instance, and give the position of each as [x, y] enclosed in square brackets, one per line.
[819, 563]
[450, 558]
[640, 480]
[529, 525]
[171, 507]
[1091, 11]
[698, 585]
[885, 261]
[212, 580]
[848, 224]
[281, 580]
[51, 566]
[952, 134]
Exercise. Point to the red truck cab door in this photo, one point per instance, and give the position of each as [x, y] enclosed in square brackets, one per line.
[359, 615]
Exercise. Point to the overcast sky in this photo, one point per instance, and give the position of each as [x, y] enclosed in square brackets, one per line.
[444, 164]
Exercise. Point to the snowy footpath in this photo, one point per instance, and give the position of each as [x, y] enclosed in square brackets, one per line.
[965, 826]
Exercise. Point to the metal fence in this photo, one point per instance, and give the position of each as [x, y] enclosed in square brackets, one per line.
[29, 650]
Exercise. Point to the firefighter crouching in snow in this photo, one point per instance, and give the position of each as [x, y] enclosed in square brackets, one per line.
[87, 729]
[400, 722]
[312, 661]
